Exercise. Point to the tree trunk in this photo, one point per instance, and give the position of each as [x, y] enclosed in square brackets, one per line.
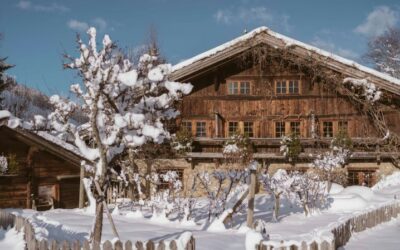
[148, 173]
[252, 191]
[276, 208]
[98, 225]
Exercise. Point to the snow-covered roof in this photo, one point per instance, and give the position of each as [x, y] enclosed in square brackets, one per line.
[26, 127]
[288, 42]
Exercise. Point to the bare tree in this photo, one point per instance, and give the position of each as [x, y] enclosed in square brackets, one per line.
[384, 52]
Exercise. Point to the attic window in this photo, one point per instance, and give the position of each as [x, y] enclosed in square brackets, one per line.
[233, 88]
[285, 87]
[236, 88]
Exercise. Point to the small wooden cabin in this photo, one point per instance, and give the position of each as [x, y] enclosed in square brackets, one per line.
[267, 85]
[43, 171]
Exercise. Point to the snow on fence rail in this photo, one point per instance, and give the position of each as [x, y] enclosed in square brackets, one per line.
[339, 234]
[8, 220]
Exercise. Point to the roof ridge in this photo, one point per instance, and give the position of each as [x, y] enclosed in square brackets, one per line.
[288, 42]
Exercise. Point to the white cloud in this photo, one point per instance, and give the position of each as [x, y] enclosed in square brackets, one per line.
[247, 15]
[252, 15]
[77, 25]
[378, 21]
[24, 5]
[331, 47]
[100, 23]
[53, 7]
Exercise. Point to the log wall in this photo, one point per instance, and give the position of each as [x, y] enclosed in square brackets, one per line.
[264, 107]
[37, 175]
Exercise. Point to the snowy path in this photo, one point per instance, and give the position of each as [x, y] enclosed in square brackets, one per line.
[385, 236]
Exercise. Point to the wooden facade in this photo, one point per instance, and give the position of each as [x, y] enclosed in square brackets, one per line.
[268, 101]
[47, 174]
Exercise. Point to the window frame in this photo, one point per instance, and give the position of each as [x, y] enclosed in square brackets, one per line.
[325, 128]
[297, 128]
[284, 84]
[289, 87]
[281, 132]
[248, 133]
[231, 132]
[239, 88]
[162, 185]
[188, 128]
[204, 133]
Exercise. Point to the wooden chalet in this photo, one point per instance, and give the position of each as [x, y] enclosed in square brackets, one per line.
[265, 85]
[44, 171]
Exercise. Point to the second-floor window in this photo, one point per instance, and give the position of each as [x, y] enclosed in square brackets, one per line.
[327, 129]
[233, 128]
[201, 129]
[279, 129]
[248, 129]
[295, 128]
[236, 88]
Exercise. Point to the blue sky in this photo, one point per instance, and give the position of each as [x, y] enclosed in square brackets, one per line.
[37, 32]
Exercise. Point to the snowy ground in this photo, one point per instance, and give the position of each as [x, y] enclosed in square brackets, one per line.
[75, 224]
[384, 236]
[60, 224]
[11, 240]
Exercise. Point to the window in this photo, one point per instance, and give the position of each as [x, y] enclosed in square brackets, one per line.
[279, 129]
[287, 87]
[187, 126]
[295, 128]
[233, 88]
[164, 184]
[245, 88]
[232, 128]
[200, 129]
[363, 177]
[293, 87]
[248, 129]
[281, 87]
[327, 129]
[342, 126]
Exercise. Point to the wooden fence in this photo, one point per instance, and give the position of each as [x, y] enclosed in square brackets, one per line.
[20, 223]
[342, 232]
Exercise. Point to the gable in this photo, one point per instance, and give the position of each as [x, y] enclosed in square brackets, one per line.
[212, 59]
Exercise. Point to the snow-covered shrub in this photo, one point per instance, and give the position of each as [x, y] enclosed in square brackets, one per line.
[329, 164]
[3, 164]
[221, 185]
[278, 184]
[182, 141]
[364, 88]
[290, 147]
[310, 190]
[237, 149]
